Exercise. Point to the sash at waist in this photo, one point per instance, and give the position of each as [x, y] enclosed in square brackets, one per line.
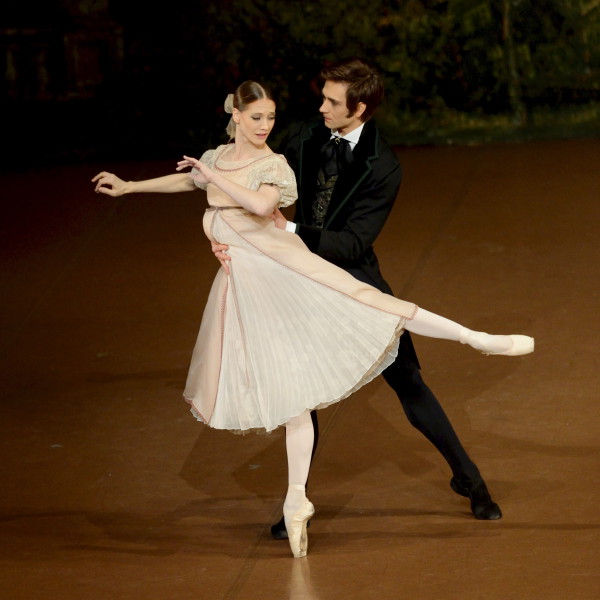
[211, 208]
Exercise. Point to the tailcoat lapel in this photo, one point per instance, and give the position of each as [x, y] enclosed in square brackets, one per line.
[309, 158]
[365, 152]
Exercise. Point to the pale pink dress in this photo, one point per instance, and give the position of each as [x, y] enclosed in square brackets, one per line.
[286, 331]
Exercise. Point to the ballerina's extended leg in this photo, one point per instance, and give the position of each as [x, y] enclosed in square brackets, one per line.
[297, 509]
[431, 325]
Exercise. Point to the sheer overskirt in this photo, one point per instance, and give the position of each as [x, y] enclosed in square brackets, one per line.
[285, 332]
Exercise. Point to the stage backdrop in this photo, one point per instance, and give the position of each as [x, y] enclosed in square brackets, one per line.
[110, 80]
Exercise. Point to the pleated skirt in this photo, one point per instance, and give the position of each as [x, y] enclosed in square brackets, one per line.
[286, 331]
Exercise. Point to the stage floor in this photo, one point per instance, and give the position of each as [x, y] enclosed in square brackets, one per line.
[111, 489]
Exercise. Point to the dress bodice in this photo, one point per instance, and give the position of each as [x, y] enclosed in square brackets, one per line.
[271, 169]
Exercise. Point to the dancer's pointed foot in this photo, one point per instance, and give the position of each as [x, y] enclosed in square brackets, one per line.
[278, 530]
[504, 345]
[482, 505]
[296, 525]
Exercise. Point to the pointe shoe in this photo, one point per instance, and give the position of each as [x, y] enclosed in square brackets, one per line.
[296, 528]
[278, 530]
[521, 344]
[482, 505]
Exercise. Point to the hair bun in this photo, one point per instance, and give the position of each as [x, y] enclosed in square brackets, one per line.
[228, 104]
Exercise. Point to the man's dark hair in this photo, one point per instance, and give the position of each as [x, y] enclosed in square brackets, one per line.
[365, 84]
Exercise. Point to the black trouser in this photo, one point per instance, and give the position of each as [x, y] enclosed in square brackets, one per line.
[423, 411]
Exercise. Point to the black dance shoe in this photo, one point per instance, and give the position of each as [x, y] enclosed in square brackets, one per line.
[482, 505]
[279, 532]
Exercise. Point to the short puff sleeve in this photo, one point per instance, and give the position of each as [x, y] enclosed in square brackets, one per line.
[209, 159]
[275, 171]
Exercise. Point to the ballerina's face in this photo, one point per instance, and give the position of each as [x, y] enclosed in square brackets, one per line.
[256, 121]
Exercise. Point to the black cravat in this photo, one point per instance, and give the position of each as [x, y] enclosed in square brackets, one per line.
[335, 155]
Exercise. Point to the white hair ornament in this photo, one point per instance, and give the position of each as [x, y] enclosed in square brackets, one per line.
[228, 106]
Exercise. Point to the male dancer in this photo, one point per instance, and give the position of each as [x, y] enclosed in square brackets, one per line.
[341, 209]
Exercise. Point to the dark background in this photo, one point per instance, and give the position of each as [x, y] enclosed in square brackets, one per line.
[108, 80]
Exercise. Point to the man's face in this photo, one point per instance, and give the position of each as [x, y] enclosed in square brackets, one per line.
[335, 110]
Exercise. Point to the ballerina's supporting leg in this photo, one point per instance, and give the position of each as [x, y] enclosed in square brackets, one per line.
[431, 325]
[297, 509]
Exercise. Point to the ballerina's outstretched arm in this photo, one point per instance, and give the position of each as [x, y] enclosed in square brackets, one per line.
[111, 185]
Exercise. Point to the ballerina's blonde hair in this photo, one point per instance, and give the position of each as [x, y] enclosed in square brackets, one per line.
[245, 94]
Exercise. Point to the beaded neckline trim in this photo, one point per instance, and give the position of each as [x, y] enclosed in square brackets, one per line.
[238, 168]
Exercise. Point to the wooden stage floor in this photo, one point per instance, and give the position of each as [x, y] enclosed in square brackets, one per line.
[111, 489]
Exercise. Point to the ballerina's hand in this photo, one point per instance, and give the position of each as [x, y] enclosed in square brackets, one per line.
[203, 171]
[108, 183]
